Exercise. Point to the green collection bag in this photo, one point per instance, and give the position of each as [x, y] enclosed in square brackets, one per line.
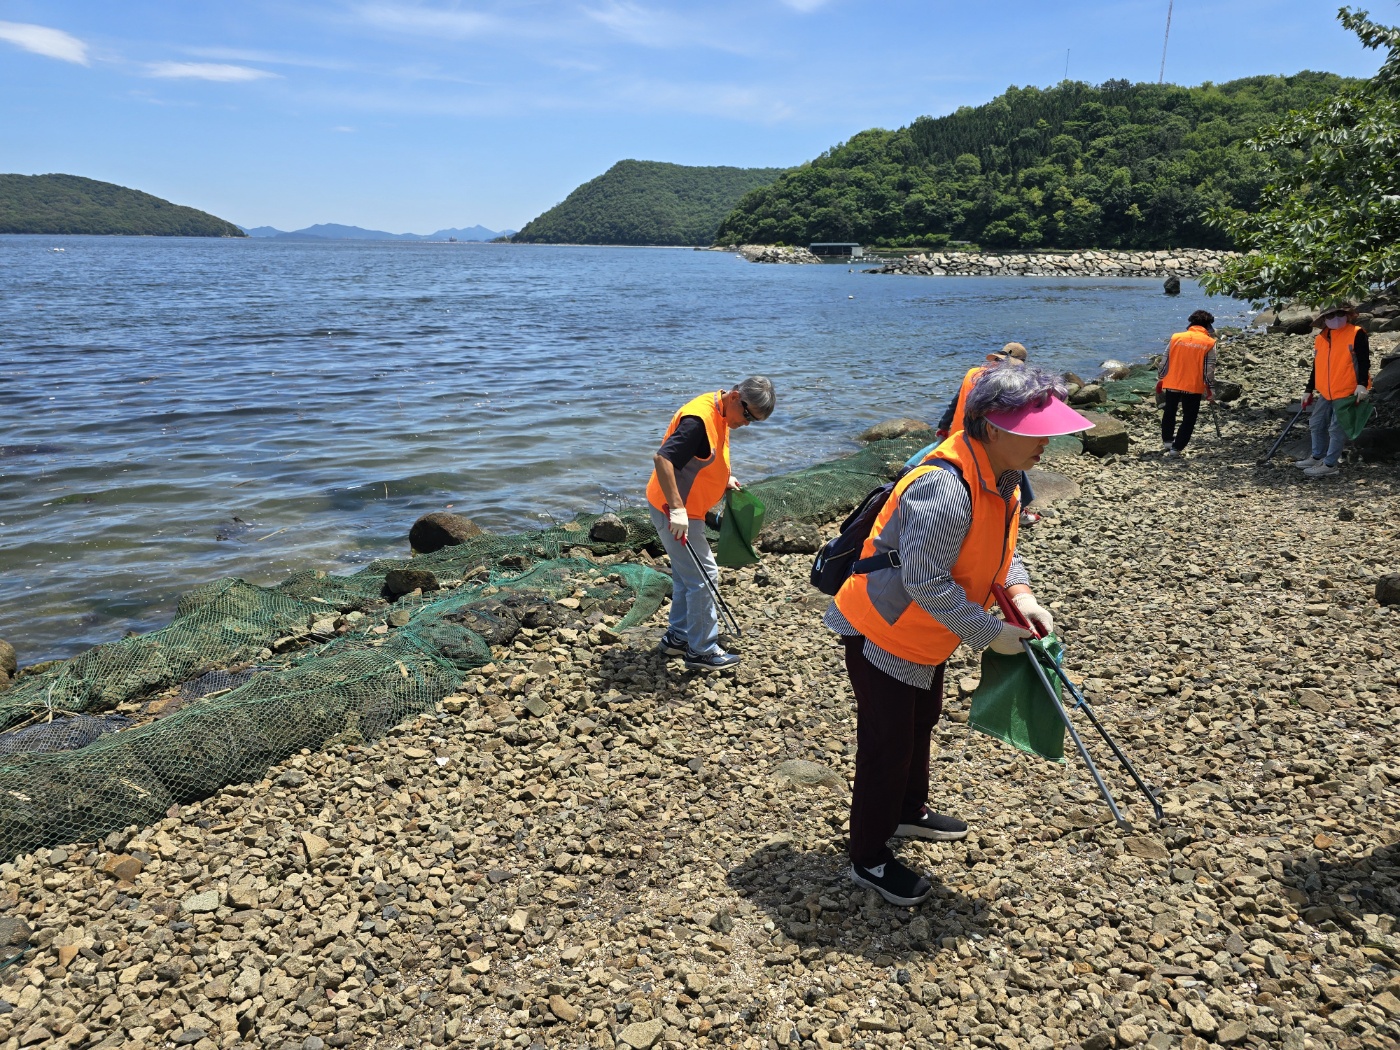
[738, 528]
[1011, 704]
[1352, 415]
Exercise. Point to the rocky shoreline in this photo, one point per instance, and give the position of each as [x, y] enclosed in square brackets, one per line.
[1173, 262]
[587, 846]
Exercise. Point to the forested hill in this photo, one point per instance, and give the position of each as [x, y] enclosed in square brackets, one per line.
[71, 204]
[1114, 166]
[647, 202]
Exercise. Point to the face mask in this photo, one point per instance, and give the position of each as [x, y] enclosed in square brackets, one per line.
[1335, 322]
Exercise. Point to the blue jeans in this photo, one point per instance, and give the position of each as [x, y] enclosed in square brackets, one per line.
[694, 617]
[1328, 437]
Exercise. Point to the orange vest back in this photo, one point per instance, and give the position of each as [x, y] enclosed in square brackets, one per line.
[961, 407]
[877, 605]
[1334, 369]
[1186, 361]
[702, 481]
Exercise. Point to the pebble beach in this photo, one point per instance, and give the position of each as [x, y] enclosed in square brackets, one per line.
[588, 846]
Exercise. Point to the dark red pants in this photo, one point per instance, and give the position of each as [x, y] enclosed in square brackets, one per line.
[894, 723]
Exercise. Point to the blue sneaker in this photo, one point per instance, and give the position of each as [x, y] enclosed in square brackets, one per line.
[707, 662]
[671, 645]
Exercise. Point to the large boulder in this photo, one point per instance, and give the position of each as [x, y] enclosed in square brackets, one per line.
[1388, 589]
[1109, 437]
[790, 537]
[8, 663]
[405, 581]
[1093, 394]
[894, 428]
[1049, 486]
[609, 528]
[437, 530]
[1295, 319]
[1226, 391]
[1172, 285]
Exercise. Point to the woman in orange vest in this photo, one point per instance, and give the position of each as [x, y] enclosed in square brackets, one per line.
[952, 418]
[1187, 374]
[1341, 369]
[949, 531]
[690, 476]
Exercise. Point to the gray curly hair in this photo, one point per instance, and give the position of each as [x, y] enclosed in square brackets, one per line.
[1004, 389]
[757, 392]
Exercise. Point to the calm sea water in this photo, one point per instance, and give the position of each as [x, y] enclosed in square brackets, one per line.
[175, 410]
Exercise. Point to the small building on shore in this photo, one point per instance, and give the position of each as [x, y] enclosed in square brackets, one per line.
[837, 250]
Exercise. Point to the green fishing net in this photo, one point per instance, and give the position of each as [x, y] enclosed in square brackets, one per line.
[246, 676]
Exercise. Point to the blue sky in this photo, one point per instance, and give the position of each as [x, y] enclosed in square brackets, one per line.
[414, 115]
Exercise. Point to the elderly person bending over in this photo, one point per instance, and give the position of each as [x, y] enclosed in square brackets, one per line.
[948, 532]
[690, 476]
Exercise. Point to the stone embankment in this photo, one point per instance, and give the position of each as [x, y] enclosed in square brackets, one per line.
[1175, 262]
[770, 253]
[1380, 313]
[587, 846]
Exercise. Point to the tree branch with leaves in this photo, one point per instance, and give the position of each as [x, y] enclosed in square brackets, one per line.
[1327, 225]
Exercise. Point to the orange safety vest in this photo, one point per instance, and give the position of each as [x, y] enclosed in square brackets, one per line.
[1334, 369]
[702, 481]
[961, 406]
[1186, 361]
[877, 605]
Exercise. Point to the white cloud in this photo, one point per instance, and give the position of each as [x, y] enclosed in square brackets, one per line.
[805, 6]
[206, 71]
[51, 43]
[642, 25]
[410, 18]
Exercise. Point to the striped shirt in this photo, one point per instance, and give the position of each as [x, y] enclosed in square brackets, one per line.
[935, 513]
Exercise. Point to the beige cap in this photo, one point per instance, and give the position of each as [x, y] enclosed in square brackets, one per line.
[1015, 350]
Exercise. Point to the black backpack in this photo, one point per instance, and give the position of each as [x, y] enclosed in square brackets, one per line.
[839, 559]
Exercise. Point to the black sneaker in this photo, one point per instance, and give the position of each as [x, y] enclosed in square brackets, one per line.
[893, 881]
[931, 825]
[706, 662]
[670, 645]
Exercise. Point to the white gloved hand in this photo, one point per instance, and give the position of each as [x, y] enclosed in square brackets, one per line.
[1008, 642]
[1309, 398]
[1362, 393]
[734, 482]
[680, 523]
[1033, 611]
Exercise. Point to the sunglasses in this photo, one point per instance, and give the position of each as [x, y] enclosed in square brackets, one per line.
[747, 414]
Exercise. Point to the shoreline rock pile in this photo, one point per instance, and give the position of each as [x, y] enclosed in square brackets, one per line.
[587, 846]
[769, 253]
[1380, 313]
[1172, 262]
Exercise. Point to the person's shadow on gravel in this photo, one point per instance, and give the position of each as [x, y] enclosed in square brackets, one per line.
[1346, 892]
[814, 905]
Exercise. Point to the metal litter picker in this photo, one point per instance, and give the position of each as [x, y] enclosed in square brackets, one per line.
[719, 602]
[1014, 616]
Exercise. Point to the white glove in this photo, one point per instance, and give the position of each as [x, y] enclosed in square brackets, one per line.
[1008, 642]
[1033, 611]
[1309, 398]
[734, 482]
[680, 523]
[1362, 393]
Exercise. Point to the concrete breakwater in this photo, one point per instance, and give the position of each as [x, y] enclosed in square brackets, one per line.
[1170, 262]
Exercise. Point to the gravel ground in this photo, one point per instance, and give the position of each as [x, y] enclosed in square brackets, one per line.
[643, 857]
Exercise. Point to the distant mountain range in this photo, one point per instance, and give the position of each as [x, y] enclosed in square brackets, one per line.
[331, 231]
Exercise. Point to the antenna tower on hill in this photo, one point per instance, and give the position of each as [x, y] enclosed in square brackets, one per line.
[1163, 71]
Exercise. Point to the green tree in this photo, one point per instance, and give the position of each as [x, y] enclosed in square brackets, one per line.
[1117, 165]
[1327, 225]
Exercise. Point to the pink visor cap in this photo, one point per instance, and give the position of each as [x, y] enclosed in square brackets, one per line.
[1050, 419]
